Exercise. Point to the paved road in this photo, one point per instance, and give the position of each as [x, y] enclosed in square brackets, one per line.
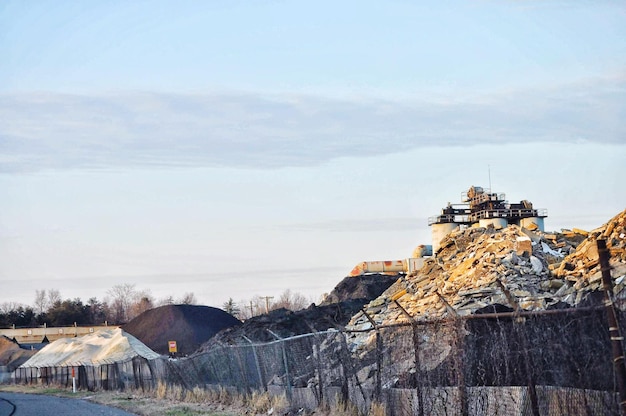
[17, 404]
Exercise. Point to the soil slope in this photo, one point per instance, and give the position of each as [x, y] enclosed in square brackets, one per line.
[347, 298]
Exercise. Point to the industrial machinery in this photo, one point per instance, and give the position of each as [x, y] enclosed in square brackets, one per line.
[482, 208]
[479, 208]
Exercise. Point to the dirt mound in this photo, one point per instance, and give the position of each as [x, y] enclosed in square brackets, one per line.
[11, 355]
[365, 287]
[335, 311]
[189, 325]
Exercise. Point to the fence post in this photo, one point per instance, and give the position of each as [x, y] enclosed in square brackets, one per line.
[459, 329]
[318, 363]
[616, 338]
[379, 357]
[350, 371]
[418, 387]
[244, 374]
[256, 362]
[528, 361]
[286, 364]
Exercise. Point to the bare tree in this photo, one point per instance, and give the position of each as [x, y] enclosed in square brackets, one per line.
[188, 299]
[54, 297]
[41, 301]
[122, 298]
[144, 303]
[293, 301]
[168, 300]
[6, 307]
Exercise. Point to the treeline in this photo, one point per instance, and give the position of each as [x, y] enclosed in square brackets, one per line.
[122, 303]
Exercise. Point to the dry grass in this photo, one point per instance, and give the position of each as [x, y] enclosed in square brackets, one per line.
[158, 402]
[342, 408]
[377, 409]
[173, 400]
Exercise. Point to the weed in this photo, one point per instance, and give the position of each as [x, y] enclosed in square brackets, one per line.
[260, 402]
[377, 409]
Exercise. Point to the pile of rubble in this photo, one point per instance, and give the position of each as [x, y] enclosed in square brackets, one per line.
[517, 267]
[581, 269]
[485, 269]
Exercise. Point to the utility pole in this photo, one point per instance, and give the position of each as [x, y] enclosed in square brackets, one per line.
[267, 302]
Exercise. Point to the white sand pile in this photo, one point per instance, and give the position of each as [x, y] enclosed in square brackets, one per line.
[106, 346]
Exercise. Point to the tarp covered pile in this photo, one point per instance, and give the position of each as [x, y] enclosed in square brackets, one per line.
[101, 347]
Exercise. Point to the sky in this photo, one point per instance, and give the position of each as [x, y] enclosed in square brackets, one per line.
[234, 149]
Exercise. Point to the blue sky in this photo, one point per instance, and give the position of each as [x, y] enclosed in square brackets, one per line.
[235, 149]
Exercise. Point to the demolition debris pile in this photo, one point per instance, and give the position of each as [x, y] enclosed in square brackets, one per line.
[484, 269]
[581, 268]
[189, 325]
[517, 267]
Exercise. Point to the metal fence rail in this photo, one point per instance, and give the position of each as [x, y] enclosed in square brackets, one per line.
[500, 364]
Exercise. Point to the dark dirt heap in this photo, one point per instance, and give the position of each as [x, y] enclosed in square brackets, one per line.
[348, 297]
[189, 325]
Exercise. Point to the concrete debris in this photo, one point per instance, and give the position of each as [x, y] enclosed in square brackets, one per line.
[485, 269]
[581, 267]
[514, 266]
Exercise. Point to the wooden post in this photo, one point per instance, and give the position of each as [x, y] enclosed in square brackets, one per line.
[459, 329]
[616, 338]
[528, 361]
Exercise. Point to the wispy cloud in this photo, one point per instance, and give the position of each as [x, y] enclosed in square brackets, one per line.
[56, 131]
[360, 225]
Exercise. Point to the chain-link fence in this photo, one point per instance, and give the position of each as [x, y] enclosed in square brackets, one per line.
[556, 362]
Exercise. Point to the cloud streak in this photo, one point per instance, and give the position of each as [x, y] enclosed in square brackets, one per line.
[42, 131]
